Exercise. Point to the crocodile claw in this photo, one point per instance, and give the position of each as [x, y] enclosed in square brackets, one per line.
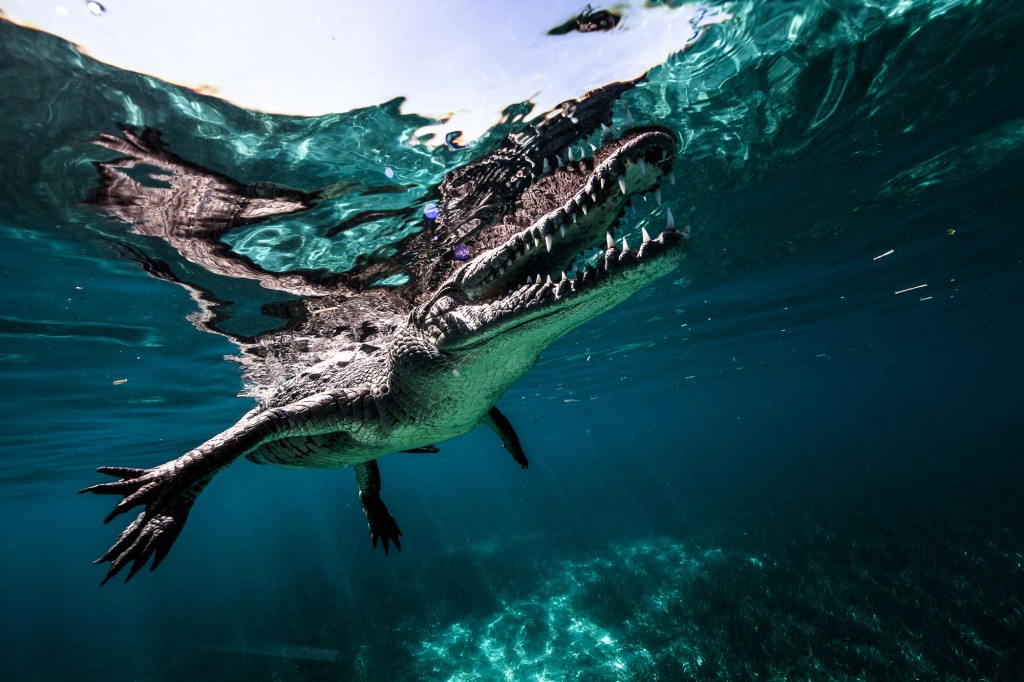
[155, 529]
[154, 488]
[147, 536]
[383, 526]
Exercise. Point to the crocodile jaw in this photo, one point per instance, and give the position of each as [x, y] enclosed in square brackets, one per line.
[520, 288]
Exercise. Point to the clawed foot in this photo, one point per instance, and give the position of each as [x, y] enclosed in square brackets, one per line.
[147, 536]
[154, 487]
[153, 531]
[382, 524]
[144, 147]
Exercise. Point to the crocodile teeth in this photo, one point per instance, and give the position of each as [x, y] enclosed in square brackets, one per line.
[583, 207]
[670, 223]
[643, 165]
[568, 153]
[547, 166]
[561, 229]
[629, 118]
[549, 239]
[622, 183]
[610, 241]
[549, 280]
[646, 235]
[625, 245]
[672, 177]
[657, 195]
[563, 276]
[529, 280]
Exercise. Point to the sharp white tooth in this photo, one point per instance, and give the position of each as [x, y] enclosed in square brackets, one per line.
[549, 280]
[561, 229]
[574, 216]
[646, 235]
[563, 276]
[670, 223]
[593, 149]
[625, 245]
[602, 182]
[622, 183]
[608, 238]
[547, 166]
[559, 160]
[501, 270]
[568, 153]
[605, 128]
[529, 280]
[686, 231]
[672, 177]
[583, 207]
[657, 195]
[643, 165]
[549, 239]
[629, 118]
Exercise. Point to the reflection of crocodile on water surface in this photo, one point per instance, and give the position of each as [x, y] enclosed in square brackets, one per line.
[361, 371]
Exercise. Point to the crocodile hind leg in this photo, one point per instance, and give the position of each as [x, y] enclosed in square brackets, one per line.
[326, 450]
[383, 526]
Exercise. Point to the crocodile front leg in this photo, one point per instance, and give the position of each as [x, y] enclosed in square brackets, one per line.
[168, 491]
[383, 526]
[500, 424]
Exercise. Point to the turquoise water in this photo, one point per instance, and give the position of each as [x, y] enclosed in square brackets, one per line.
[787, 460]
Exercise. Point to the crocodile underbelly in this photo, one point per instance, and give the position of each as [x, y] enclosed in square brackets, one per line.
[343, 449]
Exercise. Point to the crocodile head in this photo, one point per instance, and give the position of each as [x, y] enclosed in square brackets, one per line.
[567, 253]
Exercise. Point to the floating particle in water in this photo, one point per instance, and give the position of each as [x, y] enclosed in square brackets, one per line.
[389, 172]
[454, 140]
[462, 252]
[431, 211]
[118, 382]
[95, 7]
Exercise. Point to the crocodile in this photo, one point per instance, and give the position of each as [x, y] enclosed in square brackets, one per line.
[362, 370]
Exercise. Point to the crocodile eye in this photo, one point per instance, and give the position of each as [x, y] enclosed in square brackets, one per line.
[462, 252]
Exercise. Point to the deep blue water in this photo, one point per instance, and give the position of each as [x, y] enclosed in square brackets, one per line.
[767, 464]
